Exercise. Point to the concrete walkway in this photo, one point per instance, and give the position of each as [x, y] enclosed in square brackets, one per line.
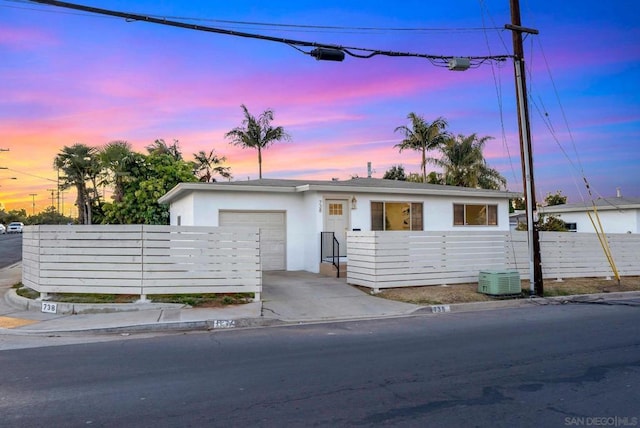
[304, 296]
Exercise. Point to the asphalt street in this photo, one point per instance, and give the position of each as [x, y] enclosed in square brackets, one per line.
[10, 249]
[556, 365]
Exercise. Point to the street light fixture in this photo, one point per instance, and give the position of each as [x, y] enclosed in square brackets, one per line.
[8, 178]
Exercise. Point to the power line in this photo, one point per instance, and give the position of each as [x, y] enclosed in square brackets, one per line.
[31, 175]
[334, 27]
[298, 27]
[322, 51]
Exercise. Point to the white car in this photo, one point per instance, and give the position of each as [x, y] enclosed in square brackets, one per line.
[15, 227]
[3, 229]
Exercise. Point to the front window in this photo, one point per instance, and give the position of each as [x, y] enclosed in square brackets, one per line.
[396, 216]
[475, 215]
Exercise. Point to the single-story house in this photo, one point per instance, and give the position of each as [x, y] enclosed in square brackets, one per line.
[517, 217]
[617, 214]
[293, 214]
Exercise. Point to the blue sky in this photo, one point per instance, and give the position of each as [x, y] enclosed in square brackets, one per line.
[70, 77]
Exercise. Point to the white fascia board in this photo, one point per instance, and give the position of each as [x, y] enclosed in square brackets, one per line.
[559, 209]
[480, 193]
[183, 188]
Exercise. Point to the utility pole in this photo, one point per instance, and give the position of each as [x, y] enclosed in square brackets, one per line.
[33, 203]
[52, 197]
[526, 156]
[58, 187]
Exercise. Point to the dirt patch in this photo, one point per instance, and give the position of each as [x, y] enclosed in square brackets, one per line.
[462, 293]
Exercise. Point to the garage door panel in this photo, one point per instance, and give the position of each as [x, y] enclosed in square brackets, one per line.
[272, 234]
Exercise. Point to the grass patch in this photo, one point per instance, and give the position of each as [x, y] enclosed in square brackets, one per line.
[204, 300]
[26, 292]
[554, 292]
[207, 300]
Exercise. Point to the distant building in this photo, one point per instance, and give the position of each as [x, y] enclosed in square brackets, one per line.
[617, 214]
[517, 217]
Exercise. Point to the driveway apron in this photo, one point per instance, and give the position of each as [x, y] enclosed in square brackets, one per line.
[304, 296]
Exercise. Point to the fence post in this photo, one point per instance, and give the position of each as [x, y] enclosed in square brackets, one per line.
[143, 296]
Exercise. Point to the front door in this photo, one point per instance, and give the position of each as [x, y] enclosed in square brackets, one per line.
[336, 220]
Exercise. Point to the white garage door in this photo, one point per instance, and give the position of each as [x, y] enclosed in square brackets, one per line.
[273, 238]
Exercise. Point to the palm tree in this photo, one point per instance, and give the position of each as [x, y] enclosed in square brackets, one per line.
[257, 133]
[79, 164]
[422, 136]
[464, 164]
[116, 156]
[160, 147]
[208, 164]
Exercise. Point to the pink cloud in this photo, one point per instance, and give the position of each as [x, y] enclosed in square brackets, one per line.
[18, 38]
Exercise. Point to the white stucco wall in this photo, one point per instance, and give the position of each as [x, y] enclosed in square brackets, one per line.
[206, 207]
[182, 210]
[625, 221]
[305, 215]
[437, 210]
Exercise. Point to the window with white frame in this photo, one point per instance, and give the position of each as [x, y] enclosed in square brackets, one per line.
[396, 216]
[475, 215]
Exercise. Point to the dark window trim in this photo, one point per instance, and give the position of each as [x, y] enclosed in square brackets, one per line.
[381, 222]
[488, 215]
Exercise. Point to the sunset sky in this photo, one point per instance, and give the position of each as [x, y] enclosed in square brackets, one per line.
[70, 77]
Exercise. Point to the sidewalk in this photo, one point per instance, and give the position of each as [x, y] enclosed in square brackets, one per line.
[288, 298]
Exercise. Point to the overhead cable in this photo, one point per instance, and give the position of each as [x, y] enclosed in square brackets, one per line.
[356, 52]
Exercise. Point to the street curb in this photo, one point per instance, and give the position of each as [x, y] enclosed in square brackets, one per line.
[599, 296]
[244, 323]
[13, 299]
[524, 302]
[175, 327]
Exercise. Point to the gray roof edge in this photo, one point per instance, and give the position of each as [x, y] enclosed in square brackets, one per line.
[602, 204]
[181, 188]
[298, 186]
[444, 191]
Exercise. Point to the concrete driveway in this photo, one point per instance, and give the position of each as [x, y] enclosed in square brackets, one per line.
[304, 296]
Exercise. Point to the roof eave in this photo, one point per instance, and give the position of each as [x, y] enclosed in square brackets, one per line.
[556, 208]
[181, 188]
[445, 191]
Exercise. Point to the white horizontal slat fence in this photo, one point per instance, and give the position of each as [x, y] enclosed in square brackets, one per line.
[404, 259]
[141, 259]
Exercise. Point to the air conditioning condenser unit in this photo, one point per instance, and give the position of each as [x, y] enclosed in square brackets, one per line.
[499, 282]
